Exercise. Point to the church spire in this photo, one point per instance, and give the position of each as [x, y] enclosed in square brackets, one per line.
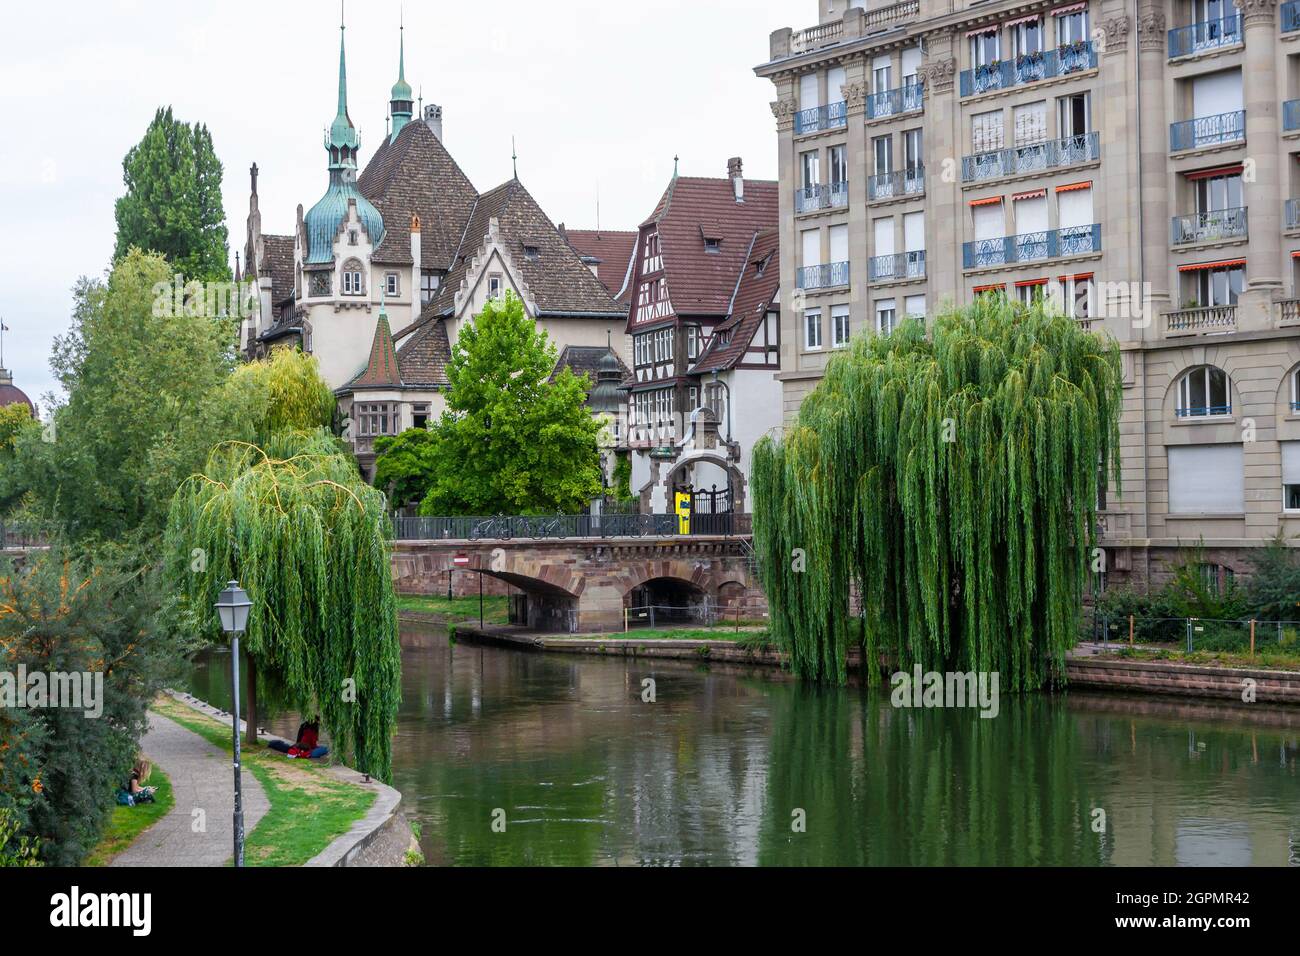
[400, 101]
[342, 142]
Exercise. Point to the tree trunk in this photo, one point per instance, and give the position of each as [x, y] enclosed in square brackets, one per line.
[251, 708]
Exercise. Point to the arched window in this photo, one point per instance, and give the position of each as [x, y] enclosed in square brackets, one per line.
[352, 273]
[1295, 390]
[1204, 392]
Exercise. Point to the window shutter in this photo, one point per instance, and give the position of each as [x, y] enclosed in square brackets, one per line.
[1206, 479]
[1290, 462]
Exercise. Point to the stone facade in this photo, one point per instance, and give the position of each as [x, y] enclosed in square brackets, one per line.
[1134, 164]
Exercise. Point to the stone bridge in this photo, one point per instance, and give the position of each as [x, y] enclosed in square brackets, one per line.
[586, 583]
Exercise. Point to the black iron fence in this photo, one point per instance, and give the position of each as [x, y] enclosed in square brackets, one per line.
[510, 527]
[15, 536]
[1191, 634]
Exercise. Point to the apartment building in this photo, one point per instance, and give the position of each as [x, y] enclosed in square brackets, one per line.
[1136, 161]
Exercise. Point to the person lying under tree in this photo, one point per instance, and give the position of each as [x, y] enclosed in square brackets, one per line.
[306, 745]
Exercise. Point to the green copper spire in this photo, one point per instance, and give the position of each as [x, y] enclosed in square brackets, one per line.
[342, 143]
[400, 101]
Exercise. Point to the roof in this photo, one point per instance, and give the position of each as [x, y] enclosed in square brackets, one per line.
[422, 359]
[756, 290]
[11, 394]
[412, 173]
[611, 252]
[691, 208]
[323, 220]
[382, 367]
[277, 262]
[557, 280]
[585, 359]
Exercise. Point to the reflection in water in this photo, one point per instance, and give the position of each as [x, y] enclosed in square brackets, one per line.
[712, 771]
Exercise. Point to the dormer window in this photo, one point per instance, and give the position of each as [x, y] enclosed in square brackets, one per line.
[352, 237]
[352, 284]
[532, 253]
[713, 245]
[494, 287]
[392, 285]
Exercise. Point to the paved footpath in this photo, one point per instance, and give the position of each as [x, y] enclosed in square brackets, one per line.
[202, 778]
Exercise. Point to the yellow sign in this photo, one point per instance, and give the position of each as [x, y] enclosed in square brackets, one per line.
[682, 506]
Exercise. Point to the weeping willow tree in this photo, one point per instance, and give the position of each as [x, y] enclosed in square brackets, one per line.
[950, 482]
[310, 542]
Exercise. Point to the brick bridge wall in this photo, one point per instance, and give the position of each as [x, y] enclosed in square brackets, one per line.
[593, 576]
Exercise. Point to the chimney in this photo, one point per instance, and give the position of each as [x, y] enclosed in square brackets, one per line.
[433, 118]
[737, 180]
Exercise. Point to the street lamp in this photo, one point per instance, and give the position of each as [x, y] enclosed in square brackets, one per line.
[232, 608]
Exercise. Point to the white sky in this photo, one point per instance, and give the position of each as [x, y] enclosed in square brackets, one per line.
[596, 92]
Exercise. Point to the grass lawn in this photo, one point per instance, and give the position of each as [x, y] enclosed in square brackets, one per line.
[127, 823]
[308, 808]
[458, 608]
[1265, 657]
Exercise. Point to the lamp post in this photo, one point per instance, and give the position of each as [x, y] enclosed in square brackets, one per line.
[232, 608]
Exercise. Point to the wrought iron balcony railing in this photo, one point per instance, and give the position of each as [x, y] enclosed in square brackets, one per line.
[1029, 68]
[1215, 318]
[902, 99]
[1208, 226]
[899, 183]
[1207, 130]
[1291, 115]
[1031, 157]
[1290, 16]
[901, 265]
[510, 527]
[819, 118]
[1031, 246]
[1206, 35]
[827, 196]
[1203, 411]
[825, 276]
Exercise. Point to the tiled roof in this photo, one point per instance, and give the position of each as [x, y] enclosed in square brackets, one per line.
[556, 278]
[755, 292]
[414, 173]
[277, 261]
[700, 282]
[382, 368]
[423, 356]
[583, 359]
[612, 252]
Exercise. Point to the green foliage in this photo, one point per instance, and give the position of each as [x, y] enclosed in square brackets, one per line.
[510, 441]
[951, 481]
[282, 392]
[1274, 589]
[622, 478]
[141, 412]
[310, 542]
[1194, 590]
[405, 464]
[14, 419]
[1155, 618]
[173, 201]
[25, 851]
[59, 768]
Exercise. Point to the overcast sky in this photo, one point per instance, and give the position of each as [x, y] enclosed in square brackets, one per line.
[598, 93]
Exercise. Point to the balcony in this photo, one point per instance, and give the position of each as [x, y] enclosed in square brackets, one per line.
[1290, 311]
[1291, 16]
[826, 276]
[1030, 68]
[818, 118]
[898, 267]
[1203, 411]
[1215, 318]
[896, 185]
[1031, 157]
[1207, 131]
[1207, 35]
[1291, 115]
[1031, 247]
[856, 22]
[1214, 226]
[901, 99]
[813, 198]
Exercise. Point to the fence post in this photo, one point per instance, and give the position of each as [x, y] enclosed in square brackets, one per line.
[1252, 637]
[1105, 633]
[625, 624]
[1189, 635]
[652, 615]
[1130, 630]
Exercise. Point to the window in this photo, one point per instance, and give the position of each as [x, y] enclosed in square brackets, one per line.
[812, 330]
[428, 286]
[713, 246]
[377, 419]
[809, 91]
[352, 281]
[692, 342]
[881, 74]
[1027, 37]
[839, 326]
[837, 161]
[1203, 392]
[1031, 291]
[391, 284]
[1295, 391]
[984, 48]
[1216, 193]
[812, 247]
[1029, 123]
[886, 316]
[1290, 475]
[1206, 479]
[1072, 114]
[494, 286]
[693, 395]
[352, 237]
[914, 306]
[882, 151]
[420, 414]
[1078, 292]
[1072, 27]
[1217, 286]
[809, 164]
[839, 243]
[912, 144]
[986, 131]
[532, 253]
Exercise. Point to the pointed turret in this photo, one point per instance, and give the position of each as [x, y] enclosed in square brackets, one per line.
[382, 368]
[342, 142]
[400, 102]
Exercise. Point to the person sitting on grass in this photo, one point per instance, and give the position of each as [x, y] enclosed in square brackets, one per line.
[135, 791]
[305, 746]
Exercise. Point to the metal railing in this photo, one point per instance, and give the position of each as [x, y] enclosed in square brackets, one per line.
[1031, 157]
[1191, 634]
[1291, 16]
[830, 196]
[901, 99]
[1207, 130]
[1214, 318]
[1291, 115]
[1208, 226]
[542, 527]
[1029, 68]
[818, 118]
[823, 276]
[900, 182]
[1031, 246]
[901, 265]
[1202, 411]
[1206, 35]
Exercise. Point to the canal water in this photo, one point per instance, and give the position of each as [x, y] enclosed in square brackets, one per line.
[506, 757]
